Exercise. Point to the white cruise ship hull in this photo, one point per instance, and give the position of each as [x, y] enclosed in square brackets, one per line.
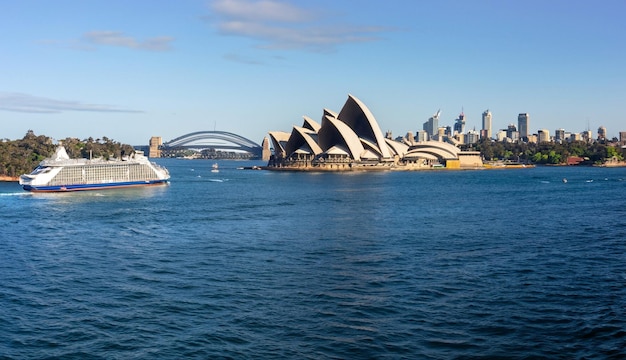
[102, 186]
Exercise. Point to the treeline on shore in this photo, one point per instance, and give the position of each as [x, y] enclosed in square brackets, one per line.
[554, 153]
[19, 157]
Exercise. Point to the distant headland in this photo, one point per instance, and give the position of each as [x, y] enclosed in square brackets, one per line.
[21, 156]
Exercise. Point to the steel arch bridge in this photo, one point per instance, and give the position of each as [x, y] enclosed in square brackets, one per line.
[218, 140]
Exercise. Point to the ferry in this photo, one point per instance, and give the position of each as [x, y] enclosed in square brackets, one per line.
[59, 173]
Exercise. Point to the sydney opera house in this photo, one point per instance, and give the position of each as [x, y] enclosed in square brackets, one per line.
[352, 140]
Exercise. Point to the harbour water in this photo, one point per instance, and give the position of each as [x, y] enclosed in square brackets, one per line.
[264, 265]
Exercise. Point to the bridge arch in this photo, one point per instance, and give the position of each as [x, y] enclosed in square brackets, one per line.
[218, 140]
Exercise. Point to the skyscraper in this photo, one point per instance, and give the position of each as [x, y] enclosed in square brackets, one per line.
[459, 124]
[559, 135]
[487, 123]
[432, 125]
[602, 133]
[522, 125]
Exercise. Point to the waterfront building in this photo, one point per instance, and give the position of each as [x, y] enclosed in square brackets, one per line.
[421, 135]
[512, 133]
[501, 135]
[472, 137]
[459, 124]
[438, 134]
[510, 129]
[559, 135]
[543, 135]
[574, 137]
[523, 120]
[432, 125]
[622, 138]
[602, 133]
[442, 133]
[486, 130]
[352, 140]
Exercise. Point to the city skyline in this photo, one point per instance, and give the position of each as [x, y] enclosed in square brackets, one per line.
[457, 126]
[132, 70]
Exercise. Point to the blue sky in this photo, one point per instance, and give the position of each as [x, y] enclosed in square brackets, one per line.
[129, 70]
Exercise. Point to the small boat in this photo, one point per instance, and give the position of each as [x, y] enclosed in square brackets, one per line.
[59, 173]
[564, 180]
[215, 168]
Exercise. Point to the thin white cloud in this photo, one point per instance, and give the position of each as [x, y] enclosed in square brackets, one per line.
[263, 10]
[18, 102]
[118, 38]
[280, 25]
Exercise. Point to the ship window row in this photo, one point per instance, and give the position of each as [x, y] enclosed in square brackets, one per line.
[103, 174]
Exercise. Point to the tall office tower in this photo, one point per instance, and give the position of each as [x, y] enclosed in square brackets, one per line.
[459, 124]
[559, 135]
[522, 125]
[432, 125]
[622, 138]
[602, 133]
[487, 124]
[427, 127]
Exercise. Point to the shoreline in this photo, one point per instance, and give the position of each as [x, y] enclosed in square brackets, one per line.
[4, 178]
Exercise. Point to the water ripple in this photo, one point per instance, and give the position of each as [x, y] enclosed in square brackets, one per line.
[269, 265]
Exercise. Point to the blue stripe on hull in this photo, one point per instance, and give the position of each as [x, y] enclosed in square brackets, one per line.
[84, 187]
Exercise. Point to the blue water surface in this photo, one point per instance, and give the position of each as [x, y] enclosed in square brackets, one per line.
[263, 265]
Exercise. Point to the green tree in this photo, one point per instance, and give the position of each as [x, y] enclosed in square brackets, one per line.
[22, 156]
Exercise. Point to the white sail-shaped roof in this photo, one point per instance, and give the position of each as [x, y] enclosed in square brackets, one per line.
[279, 140]
[334, 132]
[299, 137]
[359, 118]
[311, 124]
[397, 147]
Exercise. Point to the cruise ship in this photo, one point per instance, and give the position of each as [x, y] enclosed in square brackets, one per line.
[59, 173]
